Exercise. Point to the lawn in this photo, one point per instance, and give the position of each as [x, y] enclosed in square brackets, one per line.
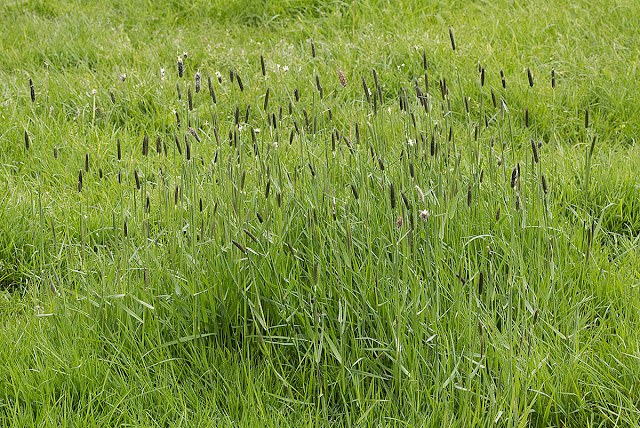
[319, 213]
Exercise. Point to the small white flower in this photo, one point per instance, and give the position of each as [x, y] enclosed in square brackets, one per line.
[411, 142]
[162, 75]
[275, 144]
[218, 75]
[123, 76]
[424, 215]
[278, 67]
[185, 55]
[93, 92]
[285, 68]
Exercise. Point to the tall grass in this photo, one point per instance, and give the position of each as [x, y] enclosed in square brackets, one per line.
[357, 247]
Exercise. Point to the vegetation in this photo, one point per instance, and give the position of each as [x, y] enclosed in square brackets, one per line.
[375, 213]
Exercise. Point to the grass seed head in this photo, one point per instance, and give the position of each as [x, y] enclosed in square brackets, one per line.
[197, 82]
[86, 162]
[367, 93]
[586, 118]
[135, 174]
[264, 69]
[553, 79]
[239, 246]
[504, 82]
[194, 134]
[534, 149]
[453, 42]
[420, 193]
[26, 140]
[343, 80]
[180, 67]
[406, 201]
[32, 91]
[189, 98]
[530, 77]
[392, 196]
[240, 84]
[80, 181]
[212, 92]
[355, 192]
[177, 141]
[145, 145]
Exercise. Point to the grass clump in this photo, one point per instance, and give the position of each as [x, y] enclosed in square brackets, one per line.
[340, 227]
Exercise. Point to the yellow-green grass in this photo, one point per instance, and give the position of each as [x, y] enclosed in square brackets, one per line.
[384, 264]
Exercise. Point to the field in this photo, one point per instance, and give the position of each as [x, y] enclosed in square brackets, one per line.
[319, 213]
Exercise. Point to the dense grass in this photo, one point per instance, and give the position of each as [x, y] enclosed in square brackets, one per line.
[388, 258]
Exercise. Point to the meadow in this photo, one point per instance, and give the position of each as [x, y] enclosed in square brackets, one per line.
[319, 213]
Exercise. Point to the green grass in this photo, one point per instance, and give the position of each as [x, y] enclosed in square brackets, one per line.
[339, 268]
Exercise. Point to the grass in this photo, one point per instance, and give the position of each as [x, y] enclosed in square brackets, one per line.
[373, 258]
